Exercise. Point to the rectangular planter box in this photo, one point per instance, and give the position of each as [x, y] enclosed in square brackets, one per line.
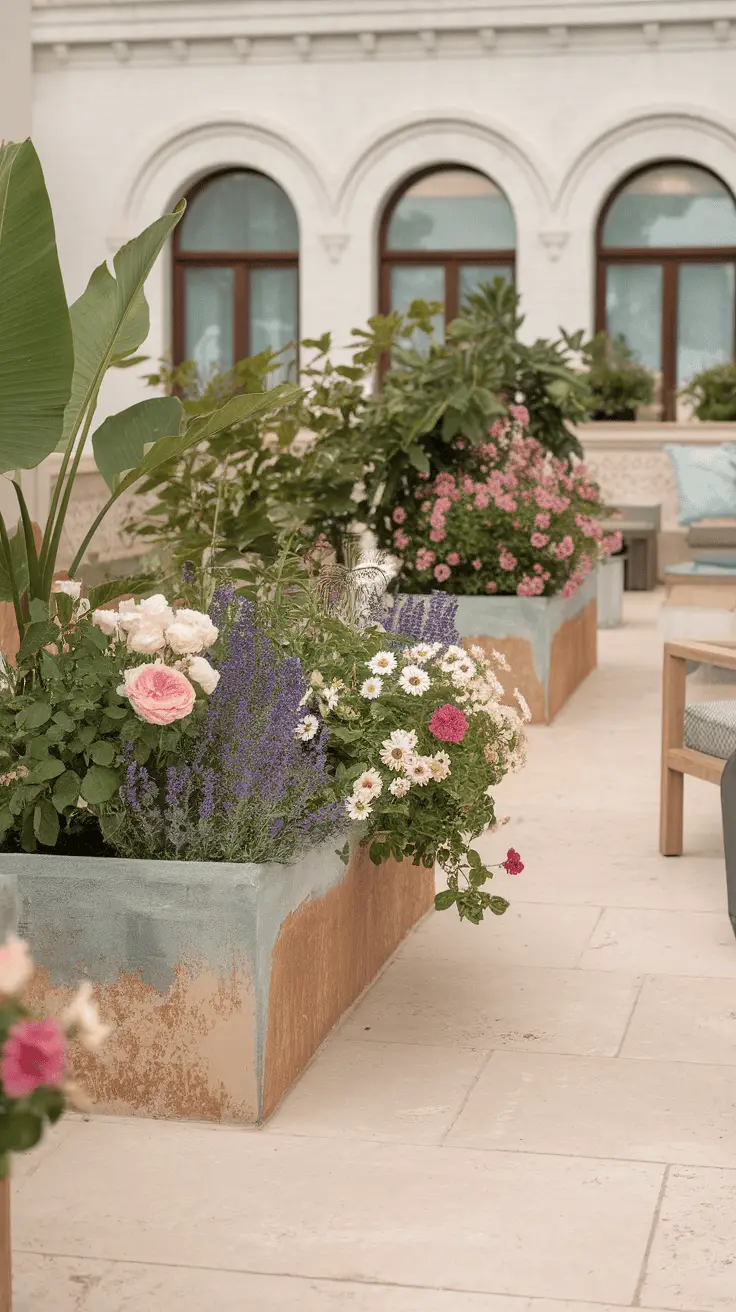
[222, 980]
[550, 644]
[610, 592]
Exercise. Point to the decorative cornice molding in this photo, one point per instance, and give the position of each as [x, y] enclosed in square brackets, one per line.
[92, 33]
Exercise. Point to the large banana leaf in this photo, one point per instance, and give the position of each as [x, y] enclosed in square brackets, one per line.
[120, 443]
[36, 352]
[110, 319]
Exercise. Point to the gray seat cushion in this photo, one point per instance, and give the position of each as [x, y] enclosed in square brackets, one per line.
[710, 727]
[712, 535]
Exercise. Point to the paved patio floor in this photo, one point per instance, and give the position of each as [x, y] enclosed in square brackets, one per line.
[537, 1115]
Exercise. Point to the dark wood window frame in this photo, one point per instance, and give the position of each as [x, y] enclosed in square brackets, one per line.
[450, 261]
[669, 259]
[241, 262]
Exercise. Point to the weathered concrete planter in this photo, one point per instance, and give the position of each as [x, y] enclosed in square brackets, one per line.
[5, 1264]
[222, 980]
[550, 644]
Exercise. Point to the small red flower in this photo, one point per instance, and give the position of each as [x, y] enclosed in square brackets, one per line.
[449, 724]
[513, 863]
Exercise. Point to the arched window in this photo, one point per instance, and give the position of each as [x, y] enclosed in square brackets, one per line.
[666, 281]
[236, 254]
[444, 234]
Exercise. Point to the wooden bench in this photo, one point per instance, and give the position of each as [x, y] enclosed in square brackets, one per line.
[697, 739]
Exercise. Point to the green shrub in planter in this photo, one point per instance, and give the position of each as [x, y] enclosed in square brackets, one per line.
[616, 383]
[713, 394]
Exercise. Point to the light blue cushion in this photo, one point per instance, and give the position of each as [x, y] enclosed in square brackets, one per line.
[706, 481]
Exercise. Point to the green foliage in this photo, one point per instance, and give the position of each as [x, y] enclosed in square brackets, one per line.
[713, 394]
[53, 364]
[440, 400]
[616, 383]
[35, 331]
[296, 473]
[64, 730]
[435, 821]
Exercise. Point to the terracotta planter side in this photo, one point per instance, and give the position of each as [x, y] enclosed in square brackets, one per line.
[221, 980]
[328, 952]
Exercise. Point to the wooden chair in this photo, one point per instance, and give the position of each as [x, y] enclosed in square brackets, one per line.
[682, 746]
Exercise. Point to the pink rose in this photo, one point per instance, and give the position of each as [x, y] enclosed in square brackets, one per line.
[491, 588]
[398, 515]
[449, 724]
[437, 535]
[441, 572]
[33, 1055]
[401, 541]
[539, 540]
[477, 564]
[452, 558]
[159, 694]
[507, 560]
[520, 414]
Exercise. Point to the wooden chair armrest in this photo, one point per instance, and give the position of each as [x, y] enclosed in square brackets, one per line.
[722, 655]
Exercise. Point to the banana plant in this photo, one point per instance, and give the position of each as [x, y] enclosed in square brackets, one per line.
[53, 360]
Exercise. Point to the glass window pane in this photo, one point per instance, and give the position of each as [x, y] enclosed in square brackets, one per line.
[672, 205]
[705, 318]
[208, 320]
[473, 276]
[452, 210]
[634, 310]
[417, 282]
[274, 317]
[240, 212]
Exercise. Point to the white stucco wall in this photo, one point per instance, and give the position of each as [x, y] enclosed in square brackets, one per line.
[556, 102]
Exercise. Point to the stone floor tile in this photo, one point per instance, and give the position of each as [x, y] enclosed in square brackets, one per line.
[602, 1107]
[528, 934]
[698, 943]
[55, 1284]
[684, 1020]
[447, 1218]
[173, 1289]
[387, 1091]
[507, 1006]
[691, 1264]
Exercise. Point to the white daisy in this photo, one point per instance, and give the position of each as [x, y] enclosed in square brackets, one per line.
[421, 653]
[419, 769]
[306, 728]
[398, 748]
[371, 689]
[358, 808]
[384, 662]
[414, 680]
[440, 766]
[330, 698]
[399, 787]
[453, 651]
[369, 784]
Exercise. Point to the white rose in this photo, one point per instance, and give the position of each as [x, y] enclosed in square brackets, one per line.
[203, 673]
[146, 638]
[83, 1018]
[191, 632]
[70, 587]
[128, 607]
[16, 966]
[107, 620]
[156, 610]
[129, 616]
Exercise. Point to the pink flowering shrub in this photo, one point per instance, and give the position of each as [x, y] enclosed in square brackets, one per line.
[34, 1085]
[513, 520]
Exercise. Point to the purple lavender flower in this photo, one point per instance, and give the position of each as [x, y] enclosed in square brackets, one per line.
[425, 619]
